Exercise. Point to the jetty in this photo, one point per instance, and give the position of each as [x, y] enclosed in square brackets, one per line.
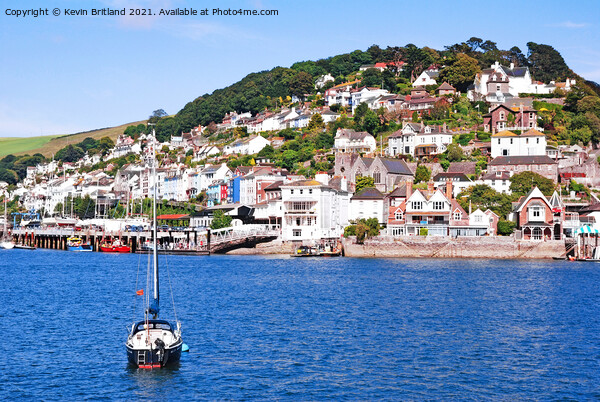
[172, 241]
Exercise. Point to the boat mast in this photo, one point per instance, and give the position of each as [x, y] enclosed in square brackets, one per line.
[154, 229]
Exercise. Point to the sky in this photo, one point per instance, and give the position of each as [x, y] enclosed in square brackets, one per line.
[66, 74]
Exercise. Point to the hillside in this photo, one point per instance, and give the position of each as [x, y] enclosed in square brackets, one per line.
[50, 144]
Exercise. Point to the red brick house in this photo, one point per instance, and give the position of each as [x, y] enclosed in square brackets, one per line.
[534, 217]
[499, 118]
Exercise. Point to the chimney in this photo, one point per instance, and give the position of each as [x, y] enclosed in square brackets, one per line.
[444, 127]
[430, 186]
[344, 184]
[409, 184]
[512, 66]
[449, 189]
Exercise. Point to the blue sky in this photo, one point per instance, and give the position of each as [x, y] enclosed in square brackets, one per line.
[68, 74]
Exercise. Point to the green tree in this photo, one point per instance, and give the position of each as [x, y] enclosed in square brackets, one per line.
[455, 153]
[422, 174]
[484, 197]
[364, 182]
[220, 220]
[581, 135]
[316, 122]
[522, 183]
[445, 164]
[461, 72]
[505, 228]
[546, 64]
[300, 84]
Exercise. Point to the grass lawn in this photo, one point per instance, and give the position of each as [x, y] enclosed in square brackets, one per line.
[49, 144]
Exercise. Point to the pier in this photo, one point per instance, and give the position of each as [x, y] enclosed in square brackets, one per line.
[201, 241]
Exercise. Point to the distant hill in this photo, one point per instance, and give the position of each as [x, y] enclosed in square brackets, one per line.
[49, 144]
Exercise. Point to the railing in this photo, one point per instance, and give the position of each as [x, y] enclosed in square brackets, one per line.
[223, 235]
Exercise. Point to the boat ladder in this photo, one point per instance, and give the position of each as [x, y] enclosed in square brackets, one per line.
[141, 357]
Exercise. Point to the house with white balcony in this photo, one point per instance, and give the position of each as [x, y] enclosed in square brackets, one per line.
[418, 140]
[348, 140]
[313, 211]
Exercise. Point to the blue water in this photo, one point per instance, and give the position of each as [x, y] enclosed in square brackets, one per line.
[304, 329]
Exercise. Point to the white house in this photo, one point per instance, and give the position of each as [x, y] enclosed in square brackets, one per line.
[499, 181]
[313, 211]
[507, 143]
[246, 146]
[339, 94]
[519, 81]
[347, 140]
[322, 80]
[366, 94]
[427, 77]
[368, 203]
[419, 140]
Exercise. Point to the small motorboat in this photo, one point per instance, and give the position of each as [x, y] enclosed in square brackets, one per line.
[75, 243]
[114, 247]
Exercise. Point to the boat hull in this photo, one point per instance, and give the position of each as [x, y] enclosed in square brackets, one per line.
[148, 359]
[83, 247]
[115, 249]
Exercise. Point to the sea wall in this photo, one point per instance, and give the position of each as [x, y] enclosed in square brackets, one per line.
[273, 247]
[462, 247]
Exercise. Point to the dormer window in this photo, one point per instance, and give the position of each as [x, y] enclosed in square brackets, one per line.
[398, 215]
[457, 216]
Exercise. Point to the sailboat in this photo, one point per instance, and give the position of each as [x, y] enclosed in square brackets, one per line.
[152, 342]
[6, 242]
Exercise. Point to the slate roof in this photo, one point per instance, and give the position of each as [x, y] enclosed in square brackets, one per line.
[522, 160]
[494, 176]
[396, 166]
[462, 167]
[399, 191]
[368, 193]
[449, 175]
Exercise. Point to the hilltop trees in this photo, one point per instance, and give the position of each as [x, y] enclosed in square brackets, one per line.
[460, 72]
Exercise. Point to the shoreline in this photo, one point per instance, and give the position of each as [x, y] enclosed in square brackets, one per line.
[430, 247]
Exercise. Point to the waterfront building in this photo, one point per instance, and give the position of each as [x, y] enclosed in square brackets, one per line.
[368, 203]
[313, 211]
[534, 217]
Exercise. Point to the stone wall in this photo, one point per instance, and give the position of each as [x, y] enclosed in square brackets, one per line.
[443, 247]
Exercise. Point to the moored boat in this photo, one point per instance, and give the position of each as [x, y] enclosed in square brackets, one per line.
[153, 342]
[114, 247]
[75, 243]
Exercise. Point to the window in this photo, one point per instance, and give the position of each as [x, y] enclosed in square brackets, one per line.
[498, 87]
[438, 205]
[498, 141]
[398, 215]
[377, 177]
[310, 191]
[296, 232]
[538, 141]
[457, 216]
[511, 141]
[477, 218]
[301, 191]
[417, 205]
[501, 116]
[292, 191]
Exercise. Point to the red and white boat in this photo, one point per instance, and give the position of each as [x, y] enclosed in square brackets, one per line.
[114, 247]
